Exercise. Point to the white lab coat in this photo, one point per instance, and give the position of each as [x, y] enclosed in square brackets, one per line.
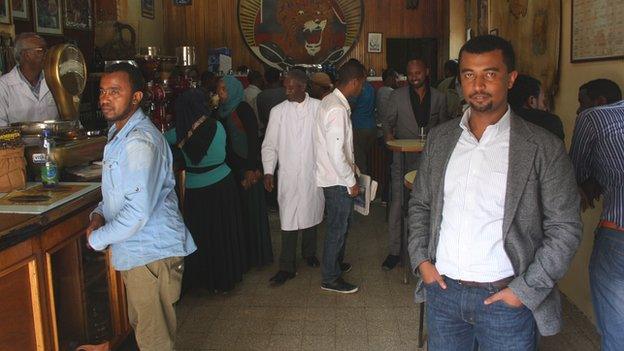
[18, 104]
[289, 141]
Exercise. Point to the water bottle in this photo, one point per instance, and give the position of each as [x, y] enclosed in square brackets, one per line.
[49, 170]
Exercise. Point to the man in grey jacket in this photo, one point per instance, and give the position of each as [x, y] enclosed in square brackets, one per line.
[409, 110]
[494, 216]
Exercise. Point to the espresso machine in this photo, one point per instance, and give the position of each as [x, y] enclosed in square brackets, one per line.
[157, 99]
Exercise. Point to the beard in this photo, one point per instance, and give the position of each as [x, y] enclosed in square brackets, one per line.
[481, 108]
[127, 112]
[418, 84]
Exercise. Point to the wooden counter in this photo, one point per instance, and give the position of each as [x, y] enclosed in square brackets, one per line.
[56, 293]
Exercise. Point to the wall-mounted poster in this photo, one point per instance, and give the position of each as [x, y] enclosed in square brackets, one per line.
[597, 30]
[78, 14]
[20, 9]
[5, 12]
[534, 29]
[374, 42]
[147, 9]
[284, 33]
[48, 17]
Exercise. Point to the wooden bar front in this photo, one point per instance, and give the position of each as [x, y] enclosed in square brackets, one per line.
[56, 293]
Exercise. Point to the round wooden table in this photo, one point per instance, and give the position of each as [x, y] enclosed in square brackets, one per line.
[406, 145]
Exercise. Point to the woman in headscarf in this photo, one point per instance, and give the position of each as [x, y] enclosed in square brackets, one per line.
[243, 155]
[211, 208]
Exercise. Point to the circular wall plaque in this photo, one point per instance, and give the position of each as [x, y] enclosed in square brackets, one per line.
[284, 33]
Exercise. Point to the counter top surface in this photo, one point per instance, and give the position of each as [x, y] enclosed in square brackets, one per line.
[17, 227]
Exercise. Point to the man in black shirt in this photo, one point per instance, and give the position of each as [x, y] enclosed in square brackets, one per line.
[411, 109]
[528, 101]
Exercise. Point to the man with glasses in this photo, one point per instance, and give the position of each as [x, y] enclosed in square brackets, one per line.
[24, 94]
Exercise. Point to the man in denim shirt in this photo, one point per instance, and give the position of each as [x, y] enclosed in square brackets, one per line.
[138, 217]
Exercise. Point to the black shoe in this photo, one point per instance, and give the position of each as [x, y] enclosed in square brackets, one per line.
[390, 262]
[345, 267]
[340, 286]
[312, 261]
[281, 277]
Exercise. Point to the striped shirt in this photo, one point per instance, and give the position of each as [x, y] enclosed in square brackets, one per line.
[598, 151]
[471, 245]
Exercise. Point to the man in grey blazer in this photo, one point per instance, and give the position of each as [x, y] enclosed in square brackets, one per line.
[409, 109]
[494, 216]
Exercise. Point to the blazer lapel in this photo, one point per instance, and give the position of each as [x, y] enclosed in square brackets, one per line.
[521, 156]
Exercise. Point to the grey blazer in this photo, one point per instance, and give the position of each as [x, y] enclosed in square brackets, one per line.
[399, 117]
[541, 224]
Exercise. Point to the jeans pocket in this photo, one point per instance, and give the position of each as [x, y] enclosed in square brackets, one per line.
[508, 306]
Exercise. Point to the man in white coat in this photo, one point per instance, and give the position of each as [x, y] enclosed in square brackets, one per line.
[24, 94]
[289, 142]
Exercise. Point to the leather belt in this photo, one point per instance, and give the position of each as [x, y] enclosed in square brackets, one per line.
[610, 225]
[499, 284]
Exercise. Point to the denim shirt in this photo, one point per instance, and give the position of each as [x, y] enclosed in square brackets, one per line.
[139, 203]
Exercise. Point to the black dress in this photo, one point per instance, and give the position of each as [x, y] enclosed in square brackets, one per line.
[243, 154]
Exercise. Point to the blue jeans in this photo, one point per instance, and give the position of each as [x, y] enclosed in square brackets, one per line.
[338, 209]
[606, 279]
[457, 319]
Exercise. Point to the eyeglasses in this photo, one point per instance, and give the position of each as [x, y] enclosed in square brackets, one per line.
[39, 50]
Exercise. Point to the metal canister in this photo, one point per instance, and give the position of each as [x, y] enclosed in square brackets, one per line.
[185, 56]
[150, 51]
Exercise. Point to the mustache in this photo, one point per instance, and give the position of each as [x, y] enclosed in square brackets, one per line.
[479, 94]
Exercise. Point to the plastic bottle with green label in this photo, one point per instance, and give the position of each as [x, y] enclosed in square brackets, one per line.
[49, 170]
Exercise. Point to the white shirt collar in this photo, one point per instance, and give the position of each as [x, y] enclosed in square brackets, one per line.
[342, 98]
[502, 125]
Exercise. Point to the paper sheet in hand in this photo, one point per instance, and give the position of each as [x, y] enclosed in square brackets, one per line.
[368, 190]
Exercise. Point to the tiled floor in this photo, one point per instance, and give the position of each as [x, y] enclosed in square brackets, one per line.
[300, 316]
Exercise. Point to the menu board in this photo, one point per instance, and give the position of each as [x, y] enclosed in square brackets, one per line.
[597, 30]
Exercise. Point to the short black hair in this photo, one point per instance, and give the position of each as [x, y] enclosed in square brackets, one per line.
[272, 75]
[452, 66]
[298, 75]
[419, 58]
[350, 70]
[254, 77]
[602, 87]
[387, 73]
[524, 87]
[487, 43]
[137, 82]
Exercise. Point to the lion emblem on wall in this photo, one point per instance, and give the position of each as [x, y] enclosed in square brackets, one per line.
[291, 32]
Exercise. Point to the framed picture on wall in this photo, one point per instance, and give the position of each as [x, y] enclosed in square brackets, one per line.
[5, 12]
[78, 14]
[19, 8]
[147, 9]
[374, 42]
[47, 17]
[593, 40]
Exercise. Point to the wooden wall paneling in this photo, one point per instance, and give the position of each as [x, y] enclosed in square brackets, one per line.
[212, 24]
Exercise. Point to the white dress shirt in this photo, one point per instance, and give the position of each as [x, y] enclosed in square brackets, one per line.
[471, 234]
[289, 141]
[333, 141]
[19, 104]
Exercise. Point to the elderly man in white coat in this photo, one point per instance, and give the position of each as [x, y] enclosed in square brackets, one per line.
[24, 94]
[289, 142]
